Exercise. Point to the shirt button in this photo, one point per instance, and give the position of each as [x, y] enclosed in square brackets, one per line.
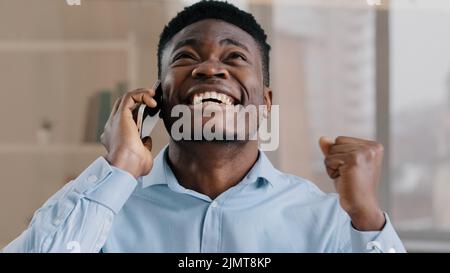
[56, 222]
[374, 245]
[92, 178]
[392, 250]
[214, 204]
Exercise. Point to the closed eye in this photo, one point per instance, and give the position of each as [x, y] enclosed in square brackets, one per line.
[183, 55]
[237, 55]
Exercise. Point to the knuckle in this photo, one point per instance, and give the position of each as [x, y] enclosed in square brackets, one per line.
[379, 148]
[127, 95]
[133, 92]
[371, 153]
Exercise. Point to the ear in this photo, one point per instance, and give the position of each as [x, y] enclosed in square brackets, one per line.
[268, 98]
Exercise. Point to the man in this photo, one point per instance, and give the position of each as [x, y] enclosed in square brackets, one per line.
[211, 196]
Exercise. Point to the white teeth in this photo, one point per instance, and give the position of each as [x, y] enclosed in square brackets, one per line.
[198, 98]
[210, 102]
[222, 98]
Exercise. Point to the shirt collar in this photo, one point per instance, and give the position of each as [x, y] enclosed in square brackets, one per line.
[162, 174]
[157, 175]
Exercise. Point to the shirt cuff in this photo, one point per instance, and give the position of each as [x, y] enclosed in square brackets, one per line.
[106, 184]
[383, 241]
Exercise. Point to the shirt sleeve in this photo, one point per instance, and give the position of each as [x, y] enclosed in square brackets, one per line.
[383, 241]
[79, 216]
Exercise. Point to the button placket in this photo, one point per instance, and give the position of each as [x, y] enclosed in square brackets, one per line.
[211, 229]
[211, 235]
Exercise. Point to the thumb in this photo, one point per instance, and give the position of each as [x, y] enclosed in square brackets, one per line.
[147, 141]
[325, 144]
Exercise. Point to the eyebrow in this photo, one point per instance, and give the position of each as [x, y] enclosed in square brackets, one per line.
[194, 42]
[234, 42]
[187, 42]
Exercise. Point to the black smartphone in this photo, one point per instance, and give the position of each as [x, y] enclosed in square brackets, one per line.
[147, 117]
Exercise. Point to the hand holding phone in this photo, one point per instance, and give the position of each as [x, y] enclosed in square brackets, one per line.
[147, 117]
[122, 138]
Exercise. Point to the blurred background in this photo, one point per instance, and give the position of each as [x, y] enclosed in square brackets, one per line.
[366, 68]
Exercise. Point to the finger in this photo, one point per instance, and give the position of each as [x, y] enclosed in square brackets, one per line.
[139, 96]
[333, 174]
[325, 144]
[115, 107]
[148, 143]
[144, 96]
[113, 112]
[334, 162]
[347, 140]
[344, 148]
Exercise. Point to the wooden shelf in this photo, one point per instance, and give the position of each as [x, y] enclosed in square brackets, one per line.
[127, 45]
[63, 45]
[26, 148]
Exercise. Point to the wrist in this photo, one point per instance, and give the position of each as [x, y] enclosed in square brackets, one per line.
[368, 221]
[125, 161]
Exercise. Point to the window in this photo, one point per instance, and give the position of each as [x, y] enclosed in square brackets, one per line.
[382, 72]
[420, 117]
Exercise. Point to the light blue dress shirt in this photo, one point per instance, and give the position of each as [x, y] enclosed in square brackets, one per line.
[106, 210]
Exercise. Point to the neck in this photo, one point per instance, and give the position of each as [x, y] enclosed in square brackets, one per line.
[211, 167]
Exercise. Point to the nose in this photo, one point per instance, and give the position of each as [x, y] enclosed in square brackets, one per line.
[210, 69]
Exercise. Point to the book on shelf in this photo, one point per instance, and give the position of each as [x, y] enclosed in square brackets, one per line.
[99, 109]
[103, 112]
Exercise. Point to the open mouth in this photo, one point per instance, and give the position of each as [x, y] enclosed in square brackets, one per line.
[212, 97]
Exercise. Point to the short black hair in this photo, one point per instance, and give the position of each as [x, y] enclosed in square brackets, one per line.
[222, 11]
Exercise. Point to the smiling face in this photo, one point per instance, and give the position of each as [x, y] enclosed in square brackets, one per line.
[212, 62]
